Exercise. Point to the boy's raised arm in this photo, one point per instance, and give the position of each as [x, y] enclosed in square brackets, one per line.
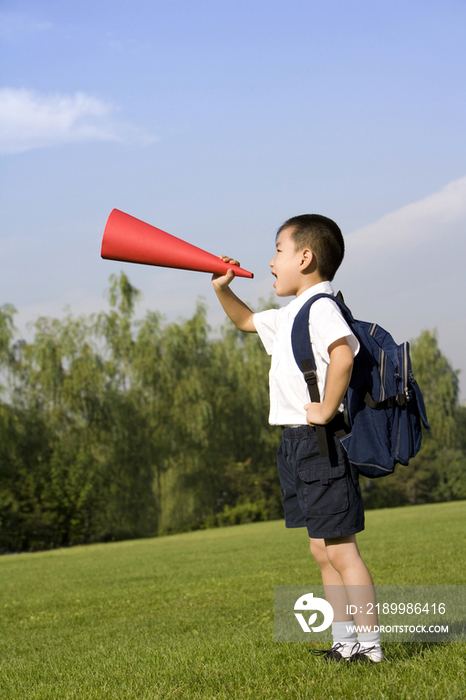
[235, 309]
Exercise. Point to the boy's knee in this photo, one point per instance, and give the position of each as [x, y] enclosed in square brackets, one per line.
[342, 552]
[318, 551]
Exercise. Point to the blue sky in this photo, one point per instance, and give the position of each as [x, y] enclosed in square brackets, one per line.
[218, 120]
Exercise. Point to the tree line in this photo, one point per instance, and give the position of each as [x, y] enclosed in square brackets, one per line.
[114, 427]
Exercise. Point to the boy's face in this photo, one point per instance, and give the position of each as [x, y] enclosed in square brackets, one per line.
[287, 266]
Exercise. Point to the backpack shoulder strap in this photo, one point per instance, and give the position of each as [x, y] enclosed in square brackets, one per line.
[302, 351]
[300, 336]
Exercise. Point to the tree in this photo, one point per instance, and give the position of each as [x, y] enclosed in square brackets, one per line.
[112, 427]
[440, 387]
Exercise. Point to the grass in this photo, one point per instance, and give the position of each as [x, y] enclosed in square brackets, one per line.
[191, 616]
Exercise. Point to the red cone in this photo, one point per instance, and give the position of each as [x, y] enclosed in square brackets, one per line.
[131, 240]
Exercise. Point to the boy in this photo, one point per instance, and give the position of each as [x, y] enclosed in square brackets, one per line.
[309, 251]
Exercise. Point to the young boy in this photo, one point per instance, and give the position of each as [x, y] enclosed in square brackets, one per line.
[309, 250]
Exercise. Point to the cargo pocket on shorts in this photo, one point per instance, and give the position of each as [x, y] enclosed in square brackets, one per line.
[324, 489]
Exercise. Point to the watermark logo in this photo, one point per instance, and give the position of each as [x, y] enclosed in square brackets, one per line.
[308, 602]
[400, 613]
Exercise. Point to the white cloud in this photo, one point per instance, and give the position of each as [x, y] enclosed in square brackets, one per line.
[406, 271]
[29, 119]
[421, 223]
[418, 249]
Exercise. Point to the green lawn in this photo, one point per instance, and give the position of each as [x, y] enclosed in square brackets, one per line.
[191, 615]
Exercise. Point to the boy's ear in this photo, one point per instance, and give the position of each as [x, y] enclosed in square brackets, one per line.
[307, 258]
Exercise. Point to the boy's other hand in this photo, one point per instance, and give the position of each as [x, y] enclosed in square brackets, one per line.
[221, 281]
[316, 414]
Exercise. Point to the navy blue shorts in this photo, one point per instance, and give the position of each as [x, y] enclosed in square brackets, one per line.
[320, 493]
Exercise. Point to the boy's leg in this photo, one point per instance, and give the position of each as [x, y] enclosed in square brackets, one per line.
[344, 638]
[330, 579]
[343, 554]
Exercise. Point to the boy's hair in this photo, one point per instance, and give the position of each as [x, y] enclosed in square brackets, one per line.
[322, 236]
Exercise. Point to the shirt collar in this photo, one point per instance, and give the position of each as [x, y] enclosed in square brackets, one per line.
[320, 288]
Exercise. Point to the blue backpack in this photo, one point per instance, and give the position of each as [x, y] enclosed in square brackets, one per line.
[384, 404]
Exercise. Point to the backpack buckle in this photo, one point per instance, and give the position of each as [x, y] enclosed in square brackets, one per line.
[310, 377]
[309, 373]
[402, 399]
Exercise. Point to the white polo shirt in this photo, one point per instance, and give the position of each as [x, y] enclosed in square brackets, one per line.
[288, 389]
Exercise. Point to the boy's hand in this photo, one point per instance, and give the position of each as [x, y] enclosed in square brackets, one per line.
[235, 309]
[221, 281]
[315, 414]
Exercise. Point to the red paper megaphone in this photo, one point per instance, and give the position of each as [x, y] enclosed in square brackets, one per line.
[131, 240]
